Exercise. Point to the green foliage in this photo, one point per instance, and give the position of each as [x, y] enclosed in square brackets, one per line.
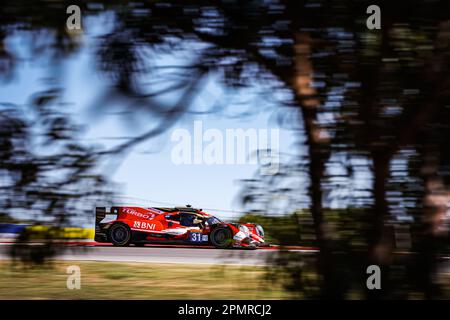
[293, 229]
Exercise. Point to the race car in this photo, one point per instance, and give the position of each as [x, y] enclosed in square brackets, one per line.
[125, 225]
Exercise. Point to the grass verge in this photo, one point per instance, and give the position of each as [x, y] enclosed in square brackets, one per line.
[105, 280]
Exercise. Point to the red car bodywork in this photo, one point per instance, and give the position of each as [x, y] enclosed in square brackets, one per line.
[141, 225]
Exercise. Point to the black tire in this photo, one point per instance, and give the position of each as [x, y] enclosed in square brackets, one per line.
[120, 235]
[222, 238]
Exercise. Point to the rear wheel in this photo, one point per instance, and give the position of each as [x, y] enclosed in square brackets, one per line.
[120, 235]
[222, 238]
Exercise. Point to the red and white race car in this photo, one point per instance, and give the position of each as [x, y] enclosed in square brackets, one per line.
[138, 225]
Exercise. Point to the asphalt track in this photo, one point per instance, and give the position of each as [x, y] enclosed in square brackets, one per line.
[159, 254]
[179, 254]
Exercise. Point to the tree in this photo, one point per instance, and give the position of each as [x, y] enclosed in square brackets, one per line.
[360, 94]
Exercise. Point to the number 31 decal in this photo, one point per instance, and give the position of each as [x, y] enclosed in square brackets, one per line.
[198, 237]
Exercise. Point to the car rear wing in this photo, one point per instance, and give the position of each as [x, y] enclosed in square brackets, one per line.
[100, 214]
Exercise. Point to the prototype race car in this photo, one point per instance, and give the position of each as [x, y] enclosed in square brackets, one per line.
[137, 225]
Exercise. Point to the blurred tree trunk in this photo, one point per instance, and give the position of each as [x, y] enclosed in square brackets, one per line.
[318, 148]
[380, 240]
[431, 224]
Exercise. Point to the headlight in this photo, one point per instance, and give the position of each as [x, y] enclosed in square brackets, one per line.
[260, 231]
[245, 230]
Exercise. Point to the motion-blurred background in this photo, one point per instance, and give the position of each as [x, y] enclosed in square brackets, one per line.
[86, 118]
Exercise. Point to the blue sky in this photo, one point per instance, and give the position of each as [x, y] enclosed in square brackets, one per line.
[146, 175]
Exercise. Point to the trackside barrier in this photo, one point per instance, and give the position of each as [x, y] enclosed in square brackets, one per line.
[8, 230]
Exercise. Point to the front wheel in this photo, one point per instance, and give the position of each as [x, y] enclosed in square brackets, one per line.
[120, 235]
[222, 238]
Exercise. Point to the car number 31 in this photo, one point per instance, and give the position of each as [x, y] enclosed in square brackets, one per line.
[198, 237]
